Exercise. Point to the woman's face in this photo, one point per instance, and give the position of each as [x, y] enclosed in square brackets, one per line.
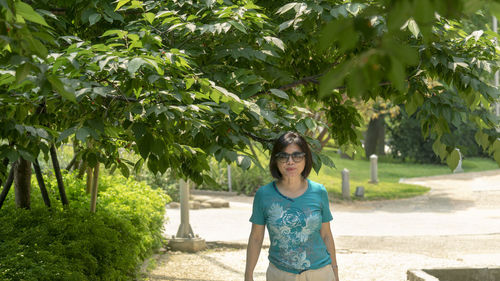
[293, 165]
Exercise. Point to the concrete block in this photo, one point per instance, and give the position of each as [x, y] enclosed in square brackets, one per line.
[190, 245]
[419, 275]
[205, 205]
[194, 205]
[218, 203]
[200, 198]
[174, 205]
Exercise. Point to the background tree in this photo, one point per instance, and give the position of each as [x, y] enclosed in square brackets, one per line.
[178, 82]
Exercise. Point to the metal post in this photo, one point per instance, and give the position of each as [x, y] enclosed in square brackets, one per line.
[185, 230]
[229, 186]
[346, 192]
[373, 168]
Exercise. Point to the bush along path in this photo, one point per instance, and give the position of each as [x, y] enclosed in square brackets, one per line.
[73, 244]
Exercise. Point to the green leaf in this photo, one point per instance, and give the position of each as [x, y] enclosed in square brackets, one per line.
[333, 79]
[21, 72]
[413, 27]
[82, 134]
[145, 144]
[286, 8]
[285, 25]
[439, 149]
[27, 12]
[453, 159]
[135, 64]
[189, 82]
[210, 3]
[496, 156]
[244, 162]
[58, 86]
[94, 18]
[325, 159]
[124, 169]
[279, 93]
[66, 133]
[26, 155]
[397, 75]
[411, 106]
[121, 3]
[138, 165]
[150, 17]
[238, 26]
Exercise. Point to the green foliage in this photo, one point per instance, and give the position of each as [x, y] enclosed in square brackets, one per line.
[408, 143]
[74, 244]
[180, 82]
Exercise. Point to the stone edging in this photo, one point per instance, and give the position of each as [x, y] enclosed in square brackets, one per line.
[452, 176]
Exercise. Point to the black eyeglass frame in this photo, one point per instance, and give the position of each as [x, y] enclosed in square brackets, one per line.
[297, 157]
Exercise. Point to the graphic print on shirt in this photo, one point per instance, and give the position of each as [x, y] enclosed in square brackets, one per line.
[291, 229]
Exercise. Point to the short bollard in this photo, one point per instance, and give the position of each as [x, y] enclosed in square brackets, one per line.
[373, 168]
[346, 192]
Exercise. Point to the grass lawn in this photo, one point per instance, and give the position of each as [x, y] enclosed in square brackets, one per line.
[389, 173]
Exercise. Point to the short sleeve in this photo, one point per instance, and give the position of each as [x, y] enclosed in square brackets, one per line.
[325, 206]
[257, 209]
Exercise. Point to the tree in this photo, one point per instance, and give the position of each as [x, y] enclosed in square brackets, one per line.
[177, 82]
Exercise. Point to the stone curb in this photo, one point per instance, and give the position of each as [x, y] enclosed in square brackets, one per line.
[452, 176]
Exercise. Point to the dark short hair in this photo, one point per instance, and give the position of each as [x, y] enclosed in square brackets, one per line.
[281, 143]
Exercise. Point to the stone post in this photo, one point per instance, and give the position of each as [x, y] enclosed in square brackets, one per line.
[229, 186]
[185, 240]
[373, 168]
[459, 168]
[346, 192]
[185, 230]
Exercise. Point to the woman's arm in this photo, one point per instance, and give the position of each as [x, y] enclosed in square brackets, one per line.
[253, 249]
[326, 234]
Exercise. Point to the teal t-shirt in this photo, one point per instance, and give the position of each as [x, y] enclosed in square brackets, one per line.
[294, 226]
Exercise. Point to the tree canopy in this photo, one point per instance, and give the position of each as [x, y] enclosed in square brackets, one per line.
[179, 81]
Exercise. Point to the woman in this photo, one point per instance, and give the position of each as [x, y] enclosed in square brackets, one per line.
[297, 214]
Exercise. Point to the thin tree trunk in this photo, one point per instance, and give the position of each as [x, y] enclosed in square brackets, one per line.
[71, 163]
[57, 170]
[8, 184]
[323, 137]
[5, 163]
[89, 179]
[93, 195]
[82, 168]
[22, 183]
[41, 183]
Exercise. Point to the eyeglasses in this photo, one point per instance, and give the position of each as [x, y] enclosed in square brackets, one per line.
[297, 157]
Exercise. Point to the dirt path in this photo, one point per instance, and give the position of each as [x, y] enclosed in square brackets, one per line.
[457, 224]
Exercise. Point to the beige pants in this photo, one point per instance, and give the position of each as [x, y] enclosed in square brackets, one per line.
[320, 274]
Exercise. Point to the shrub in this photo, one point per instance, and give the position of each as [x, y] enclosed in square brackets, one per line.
[407, 142]
[74, 244]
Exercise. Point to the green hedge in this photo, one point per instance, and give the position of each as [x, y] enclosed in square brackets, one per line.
[73, 244]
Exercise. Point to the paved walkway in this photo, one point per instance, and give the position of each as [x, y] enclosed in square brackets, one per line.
[456, 224]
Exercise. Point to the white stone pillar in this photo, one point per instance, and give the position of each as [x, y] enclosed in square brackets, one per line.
[373, 168]
[185, 230]
[229, 185]
[346, 192]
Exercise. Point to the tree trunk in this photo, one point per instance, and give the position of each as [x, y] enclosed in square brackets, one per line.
[41, 183]
[22, 183]
[72, 164]
[375, 137]
[57, 171]
[8, 184]
[89, 179]
[82, 168]
[324, 137]
[93, 195]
